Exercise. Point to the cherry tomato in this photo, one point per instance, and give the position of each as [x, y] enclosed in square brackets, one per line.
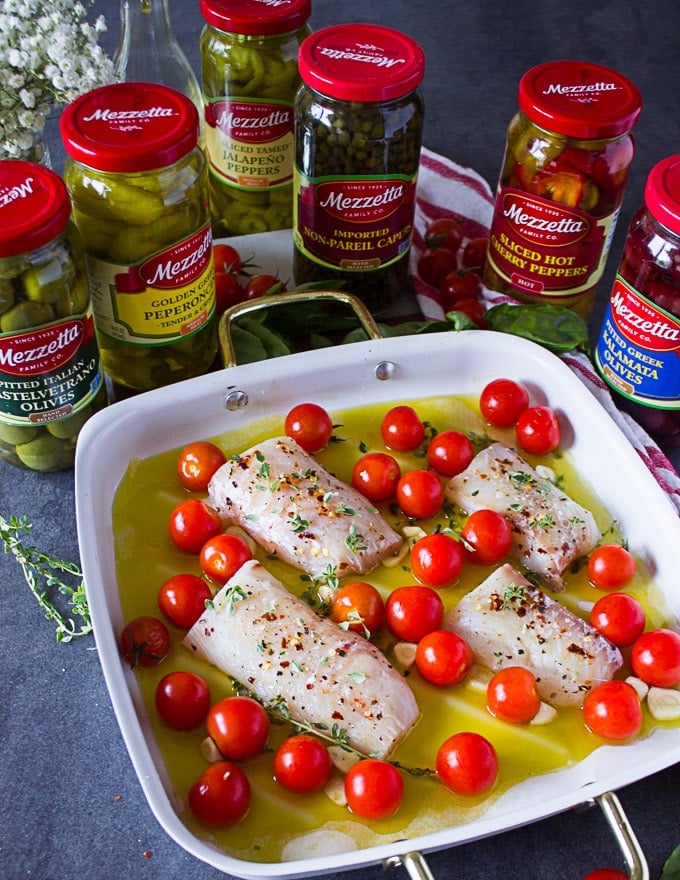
[191, 523]
[612, 710]
[434, 264]
[239, 727]
[376, 475]
[374, 789]
[259, 285]
[196, 464]
[443, 657]
[444, 232]
[227, 259]
[310, 426]
[619, 617]
[228, 265]
[145, 641]
[449, 453]
[420, 494]
[655, 657]
[437, 560]
[467, 763]
[402, 429]
[182, 599]
[474, 253]
[182, 700]
[512, 694]
[302, 764]
[503, 401]
[611, 567]
[537, 430]
[414, 611]
[359, 607]
[487, 537]
[606, 874]
[457, 286]
[222, 555]
[474, 309]
[221, 795]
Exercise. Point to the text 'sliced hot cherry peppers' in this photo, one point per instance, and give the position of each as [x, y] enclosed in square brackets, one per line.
[568, 154]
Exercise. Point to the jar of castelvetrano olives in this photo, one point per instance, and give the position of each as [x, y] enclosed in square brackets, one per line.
[568, 154]
[139, 187]
[249, 62]
[358, 133]
[50, 381]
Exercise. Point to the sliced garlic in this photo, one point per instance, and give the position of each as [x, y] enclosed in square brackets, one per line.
[335, 790]
[411, 535]
[478, 680]
[640, 686]
[405, 654]
[664, 703]
[209, 750]
[545, 714]
[341, 758]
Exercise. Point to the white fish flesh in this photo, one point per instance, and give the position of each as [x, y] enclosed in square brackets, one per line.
[550, 530]
[298, 511]
[274, 644]
[509, 622]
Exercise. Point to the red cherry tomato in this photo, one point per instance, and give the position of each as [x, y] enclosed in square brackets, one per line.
[444, 232]
[503, 401]
[487, 537]
[437, 560]
[450, 452]
[655, 657]
[512, 694]
[612, 710]
[537, 430]
[261, 285]
[221, 795]
[443, 657]
[414, 611]
[619, 617]
[402, 429]
[182, 700]
[182, 599]
[458, 286]
[376, 475]
[359, 607]
[611, 567]
[467, 763]
[228, 265]
[222, 555]
[474, 253]
[310, 426]
[374, 789]
[191, 523]
[433, 265]
[302, 764]
[420, 494]
[196, 464]
[474, 309]
[239, 727]
[227, 259]
[145, 641]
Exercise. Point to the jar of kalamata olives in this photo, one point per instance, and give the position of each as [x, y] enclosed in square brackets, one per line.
[358, 133]
[568, 154]
[139, 187]
[638, 350]
[249, 62]
[50, 381]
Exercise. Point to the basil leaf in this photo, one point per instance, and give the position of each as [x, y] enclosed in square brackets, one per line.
[255, 342]
[671, 868]
[554, 327]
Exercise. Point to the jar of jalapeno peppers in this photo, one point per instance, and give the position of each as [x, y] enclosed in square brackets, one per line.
[50, 381]
[139, 187]
[358, 132]
[568, 153]
[638, 350]
[249, 63]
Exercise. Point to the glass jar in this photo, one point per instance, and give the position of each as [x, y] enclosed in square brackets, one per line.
[568, 154]
[139, 187]
[638, 350]
[358, 133]
[249, 63]
[50, 381]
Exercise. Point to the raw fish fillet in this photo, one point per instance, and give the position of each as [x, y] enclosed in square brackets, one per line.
[274, 644]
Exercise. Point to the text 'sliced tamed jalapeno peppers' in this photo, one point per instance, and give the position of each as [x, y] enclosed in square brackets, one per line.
[358, 133]
[249, 64]
[638, 350]
[50, 380]
[567, 158]
[139, 187]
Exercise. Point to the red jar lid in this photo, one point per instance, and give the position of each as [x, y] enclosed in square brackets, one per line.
[34, 206]
[129, 127]
[579, 99]
[256, 17]
[662, 193]
[361, 62]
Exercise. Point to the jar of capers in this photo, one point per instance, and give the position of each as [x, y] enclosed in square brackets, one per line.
[50, 381]
[249, 51]
[358, 132]
[138, 182]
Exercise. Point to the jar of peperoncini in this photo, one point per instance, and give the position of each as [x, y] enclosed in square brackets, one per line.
[567, 158]
[139, 187]
[249, 63]
[358, 132]
[50, 381]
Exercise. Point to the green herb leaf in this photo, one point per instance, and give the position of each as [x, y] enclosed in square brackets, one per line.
[671, 868]
[554, 327]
